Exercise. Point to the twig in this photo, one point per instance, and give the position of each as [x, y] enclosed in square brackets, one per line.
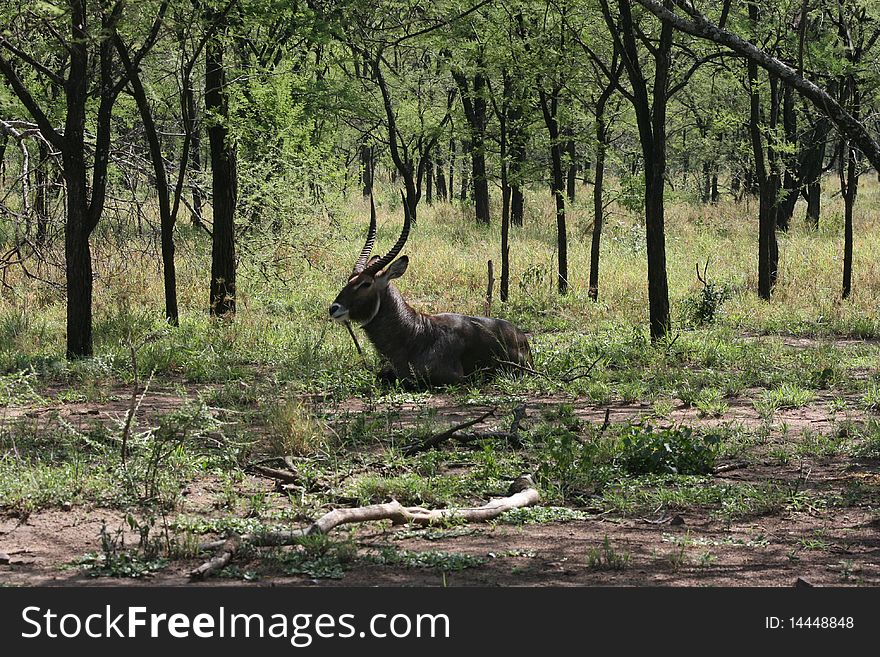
[356, 344]
[273, 473]
[438, 438]
[562, 379]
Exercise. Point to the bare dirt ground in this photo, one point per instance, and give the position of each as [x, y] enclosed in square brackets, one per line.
[695, 552]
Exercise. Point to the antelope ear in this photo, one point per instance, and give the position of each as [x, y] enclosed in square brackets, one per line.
[395, 269]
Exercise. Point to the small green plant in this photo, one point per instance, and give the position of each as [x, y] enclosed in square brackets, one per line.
[702, 308]
[319, 557]
[677, 450]
[541, 514]
[444, 561]
[710, 402]
[787, 395]
[605, 557]
[871, 398]
[116, 560]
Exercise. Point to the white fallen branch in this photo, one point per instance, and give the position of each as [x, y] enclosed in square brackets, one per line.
[393, 511]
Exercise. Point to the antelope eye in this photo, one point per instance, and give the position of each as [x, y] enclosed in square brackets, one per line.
[365, 284]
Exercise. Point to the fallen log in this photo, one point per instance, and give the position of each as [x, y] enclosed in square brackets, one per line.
[393, 511]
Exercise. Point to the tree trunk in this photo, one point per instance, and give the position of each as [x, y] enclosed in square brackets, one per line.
[814, 204]
[517, 141]
[598, 203]
[476, 112]
[166, 220]
[451, 169]
[224, 182]
[465, 187]
[195, 156]
[550, 109]
[366, 157]
[571, 151]
[78, 259]
[849, 190]
[767, 182]
[790, 184]
[442, 191]
[429, 180]
[651, 121]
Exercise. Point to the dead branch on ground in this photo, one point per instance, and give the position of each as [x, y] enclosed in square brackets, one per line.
[393, 511]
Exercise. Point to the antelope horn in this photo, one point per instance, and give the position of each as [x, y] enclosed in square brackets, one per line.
[392, 254]
[371, 240]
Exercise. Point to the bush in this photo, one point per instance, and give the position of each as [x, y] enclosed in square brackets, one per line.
[675, 450]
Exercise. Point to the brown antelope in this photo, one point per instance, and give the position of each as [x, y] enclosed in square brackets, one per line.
[422, 349]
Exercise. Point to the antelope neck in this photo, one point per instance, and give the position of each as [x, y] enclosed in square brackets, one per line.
[375, 311]
[394, 323]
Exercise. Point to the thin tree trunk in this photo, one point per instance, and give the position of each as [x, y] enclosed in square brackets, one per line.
[366, 157]
[849, 188]
[195, 156]
[598, 203]
[550, 109]
[571, 150]
[166, 220]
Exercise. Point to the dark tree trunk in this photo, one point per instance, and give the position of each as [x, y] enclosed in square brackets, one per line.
[166, 220]
[224, 182]
[706, 187]
[517, 140]
[571, 151]
[366, 158]
[78, 258]
[475, 107]
[814, 204]
[550, 109]
[651, 121]
[465, 187]
[849, 183]
[598, 202]
[767, 180]
[429, 180]
[4, 141]
[790, 183]
[811, 168]
[442, 191]
[451, 169]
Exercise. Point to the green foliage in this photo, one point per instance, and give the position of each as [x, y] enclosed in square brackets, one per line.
[676, 450]
[606, 557]
[434, 560]
[702, 307]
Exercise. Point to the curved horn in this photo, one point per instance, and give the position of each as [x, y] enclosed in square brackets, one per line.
[392, 254]
[371, 240]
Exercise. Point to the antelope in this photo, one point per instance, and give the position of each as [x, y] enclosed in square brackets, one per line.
[422, 349]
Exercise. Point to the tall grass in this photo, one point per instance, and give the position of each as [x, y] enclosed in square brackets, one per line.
[286, 283]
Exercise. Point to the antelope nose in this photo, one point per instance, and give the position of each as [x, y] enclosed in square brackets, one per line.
[334, 309]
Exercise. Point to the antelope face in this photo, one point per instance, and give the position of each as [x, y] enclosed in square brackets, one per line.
[360, 299]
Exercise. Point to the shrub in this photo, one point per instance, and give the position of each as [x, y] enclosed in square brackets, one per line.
[675, 450]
